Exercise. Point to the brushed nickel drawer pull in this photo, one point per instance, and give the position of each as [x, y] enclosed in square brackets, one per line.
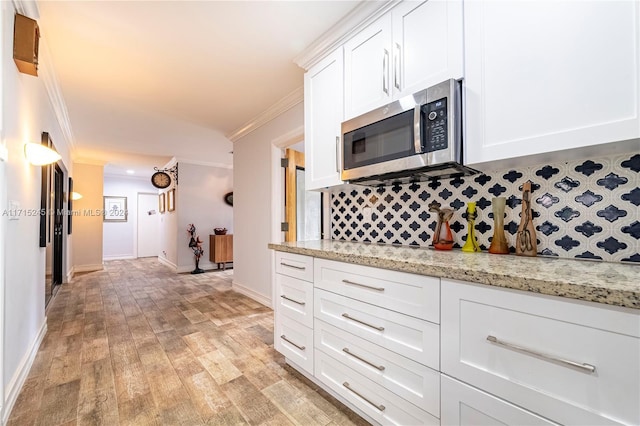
[283, 337]
[363, 285]
[292, 300]
[347, 316]
[302, 268]
[379, 367]
[583, 366]
[378, 406]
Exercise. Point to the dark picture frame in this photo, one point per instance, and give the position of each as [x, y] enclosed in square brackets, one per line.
[45, 191]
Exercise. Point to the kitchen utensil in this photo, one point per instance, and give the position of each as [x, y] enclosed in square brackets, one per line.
[442, 238]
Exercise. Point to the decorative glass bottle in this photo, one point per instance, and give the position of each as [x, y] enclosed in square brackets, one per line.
[471, 244]
[499, 241]
[442, 238]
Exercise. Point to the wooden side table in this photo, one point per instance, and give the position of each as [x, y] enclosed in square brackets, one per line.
[221, 249]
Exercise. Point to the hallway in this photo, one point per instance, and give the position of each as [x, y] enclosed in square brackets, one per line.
[137, 344]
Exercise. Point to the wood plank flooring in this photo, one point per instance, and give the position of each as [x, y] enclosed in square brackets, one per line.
[137, 344]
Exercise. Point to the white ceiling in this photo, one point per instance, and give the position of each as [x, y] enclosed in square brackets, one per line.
[144, 81]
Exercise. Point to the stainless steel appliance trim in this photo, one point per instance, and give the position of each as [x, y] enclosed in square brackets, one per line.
[582, 366]
[375, 327]
[301, 268]
[404, 163]
[292, 300]
[386, 111]
[283, 337]
[378, 406]
[363, 285]
[347, 351]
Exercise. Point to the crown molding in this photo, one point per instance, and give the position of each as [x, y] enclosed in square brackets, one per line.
[48, 74]
[204, 163]
[362, 15]
[283, 105]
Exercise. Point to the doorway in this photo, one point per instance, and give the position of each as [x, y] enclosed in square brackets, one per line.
[55, 231]
[303, 209]
[148, 225]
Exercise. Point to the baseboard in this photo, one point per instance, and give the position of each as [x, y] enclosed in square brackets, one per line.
[118, 257]
[168, 263]
[252, 294]
[16, 383]
[204, 265]
[88, 268]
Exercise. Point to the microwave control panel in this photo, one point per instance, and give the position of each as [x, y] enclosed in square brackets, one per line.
[434, 120]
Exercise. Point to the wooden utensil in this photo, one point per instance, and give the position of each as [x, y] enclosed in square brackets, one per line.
[526, 244]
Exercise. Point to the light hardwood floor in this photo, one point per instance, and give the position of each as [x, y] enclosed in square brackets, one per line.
[137, 344]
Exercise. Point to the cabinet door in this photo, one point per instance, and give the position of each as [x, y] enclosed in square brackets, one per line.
[464, 405]
[323, 113]
[427, 44]
[367, 68]
[543, 77]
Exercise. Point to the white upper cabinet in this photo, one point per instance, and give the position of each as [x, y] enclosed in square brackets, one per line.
[323, 114]
[415, 45]
[547, 76]
[366, 68]
[427, 44]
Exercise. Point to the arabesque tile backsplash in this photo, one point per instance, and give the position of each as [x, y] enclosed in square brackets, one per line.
[585, 209]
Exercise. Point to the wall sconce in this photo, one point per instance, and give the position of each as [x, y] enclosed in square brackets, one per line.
[40, 155]
[75, 196]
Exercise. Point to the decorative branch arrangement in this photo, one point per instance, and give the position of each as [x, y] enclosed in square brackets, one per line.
[196, 245]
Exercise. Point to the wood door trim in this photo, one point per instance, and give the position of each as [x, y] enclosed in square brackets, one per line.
[295, 160]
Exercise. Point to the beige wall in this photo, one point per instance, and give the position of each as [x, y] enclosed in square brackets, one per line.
[87, 223]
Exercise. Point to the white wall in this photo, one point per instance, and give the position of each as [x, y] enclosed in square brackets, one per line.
[253, 209]
[26, 112]
[120, 238]
[199, 200]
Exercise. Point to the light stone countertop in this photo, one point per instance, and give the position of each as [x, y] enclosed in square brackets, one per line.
[603, 282]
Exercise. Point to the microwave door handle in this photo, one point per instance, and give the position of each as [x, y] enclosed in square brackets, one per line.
[417, 143]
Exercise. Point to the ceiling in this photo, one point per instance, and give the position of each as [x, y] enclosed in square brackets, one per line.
[144, 81]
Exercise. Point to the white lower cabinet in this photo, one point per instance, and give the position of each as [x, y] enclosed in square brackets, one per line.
[374, 400]
[416, 339]
[294, 341]
[463, 405]
[576, 363]
[485, 356]
[408, 379]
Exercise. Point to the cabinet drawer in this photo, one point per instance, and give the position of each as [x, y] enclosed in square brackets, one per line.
[531, 335]
[464, 405]
[405, 335]
[414, 382]
[294, 265]
[294, 299]
[294, 341]
[410, 294]
[377, 402]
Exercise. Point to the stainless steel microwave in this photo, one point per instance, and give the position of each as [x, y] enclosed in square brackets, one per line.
[416, 138]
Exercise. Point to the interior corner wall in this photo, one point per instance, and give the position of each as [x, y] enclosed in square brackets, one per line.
[87, 223]
[26, 113]
[200, 201]
[253, 204]
[119, 238]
